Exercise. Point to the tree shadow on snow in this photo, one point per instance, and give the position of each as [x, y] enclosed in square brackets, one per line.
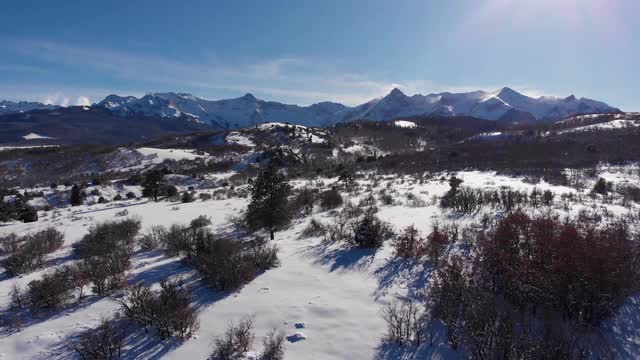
[18, 319]
[201, 294]
[406, 352]
[137, 344]
[435, 347]
[338, 257]
[623, 329]
[405, 273]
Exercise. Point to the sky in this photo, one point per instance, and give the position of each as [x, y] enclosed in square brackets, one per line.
[301, 52]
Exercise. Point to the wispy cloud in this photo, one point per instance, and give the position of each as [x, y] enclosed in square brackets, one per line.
[301, 80]
[58, 95]
[287, 79]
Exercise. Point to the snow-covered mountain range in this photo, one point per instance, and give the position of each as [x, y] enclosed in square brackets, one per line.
[10, 107]
[504, 105]
[232, 113]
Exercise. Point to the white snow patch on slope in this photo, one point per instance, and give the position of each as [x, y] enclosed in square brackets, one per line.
[239, 139]
[610, 125]
[169, 154]
[34, 136]
[3, 148]
[405, 124]
[271, 125]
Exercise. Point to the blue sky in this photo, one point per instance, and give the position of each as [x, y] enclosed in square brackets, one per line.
[72, 52]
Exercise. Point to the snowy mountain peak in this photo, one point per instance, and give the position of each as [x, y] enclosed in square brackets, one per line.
[397, 93]
[247, 110]
[507, 92]
[249, 97]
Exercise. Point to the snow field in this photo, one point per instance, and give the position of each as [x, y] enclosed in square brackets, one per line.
[326, 298]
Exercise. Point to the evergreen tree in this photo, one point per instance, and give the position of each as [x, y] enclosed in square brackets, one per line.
[76, 196]
[346, 176]
[601, 187]
[269, 207]
[153, 184]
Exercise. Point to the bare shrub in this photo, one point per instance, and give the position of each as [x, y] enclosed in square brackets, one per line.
[630, 193]
[304, 200]
[264, 255]
[536, 287]
[224, 263]
[105, 236]
[236, 341]
[340, 229]
[409, 244]
[273, 346]
[204, 196]
[108, 272]
[9, 243]
[330, 199]
[177, 240]
[155, 238]
[102, 343]
[352, 211]
[29, 252]
[315, 228]
[200, 222]
[168, 310]
[404, 323]
[52, 291]
[106, 253]
[17, 296]
[386, 198]
[124, 212]
[187, 197]
[368, 200]
[437, 243]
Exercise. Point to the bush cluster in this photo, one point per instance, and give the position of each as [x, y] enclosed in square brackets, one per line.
[467, 200]
[28, 253]
[54, 289]
[534, 283]
[168, 310]
[103, 342]
[330, 199]
[304, 201]
[238, 340]
[18, 209]
[106, 251]
[226, 263]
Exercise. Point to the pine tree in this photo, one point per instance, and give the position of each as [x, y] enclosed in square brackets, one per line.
[153, 184]
[76, 196]
[269, 207]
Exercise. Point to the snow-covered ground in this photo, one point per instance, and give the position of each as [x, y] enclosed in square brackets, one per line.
[610, 125]
[4, 148]
[34, 136]
[239, 139]
[160, 155]
[328, 293]
[405, 124]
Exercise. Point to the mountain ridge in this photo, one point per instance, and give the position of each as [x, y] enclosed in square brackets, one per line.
[505, 104]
